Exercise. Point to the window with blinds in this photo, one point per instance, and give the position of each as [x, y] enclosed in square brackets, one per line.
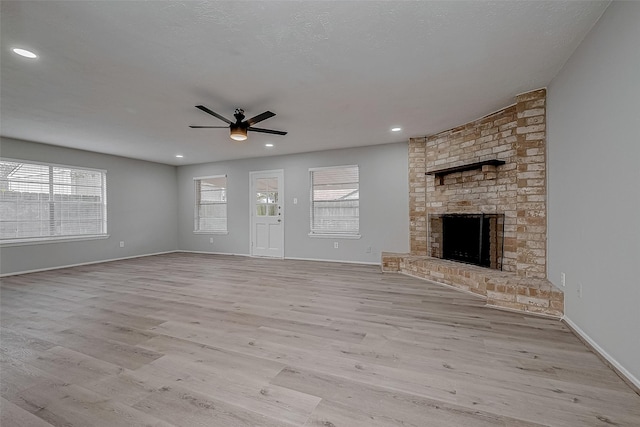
[335, 200]
[211, 204]
[41, 201]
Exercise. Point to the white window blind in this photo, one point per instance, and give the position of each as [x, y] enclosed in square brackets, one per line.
[335, 200]
[211, 204]
[41, 201]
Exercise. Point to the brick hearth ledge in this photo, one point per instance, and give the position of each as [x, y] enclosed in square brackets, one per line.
[499, 288]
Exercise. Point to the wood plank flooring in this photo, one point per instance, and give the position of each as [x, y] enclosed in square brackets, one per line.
[204, 340]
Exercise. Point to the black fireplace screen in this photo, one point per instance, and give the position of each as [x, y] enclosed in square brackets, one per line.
[469, 238]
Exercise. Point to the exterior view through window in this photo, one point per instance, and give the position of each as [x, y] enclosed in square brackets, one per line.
[40, 201]
[211, 204]
[335, 200]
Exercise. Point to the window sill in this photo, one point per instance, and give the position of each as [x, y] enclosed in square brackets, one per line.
[211, 232]
[334, 236]
[40, 241]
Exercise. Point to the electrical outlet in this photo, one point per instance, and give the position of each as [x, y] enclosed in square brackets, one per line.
[579, 290]
[295, 200]
[563, 279]
[335, 245]
[122, 243]
[210, 239]
[368, 249]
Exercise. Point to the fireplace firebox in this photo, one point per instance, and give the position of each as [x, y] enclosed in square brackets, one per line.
[469, 238]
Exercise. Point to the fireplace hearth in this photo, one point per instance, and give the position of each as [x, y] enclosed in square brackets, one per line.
[469, 238]
[457, 174]
[465, 175]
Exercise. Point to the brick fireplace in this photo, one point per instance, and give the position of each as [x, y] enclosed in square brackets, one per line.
[496, 167]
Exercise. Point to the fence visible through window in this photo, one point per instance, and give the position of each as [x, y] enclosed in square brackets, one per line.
[210, 214]
[41, 201]
[335, 200]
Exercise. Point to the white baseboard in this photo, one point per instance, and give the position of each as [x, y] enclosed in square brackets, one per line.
[613, 363]
[333, 260]
[37, 270]
[291, 258]
[211, 253]
[16, 273]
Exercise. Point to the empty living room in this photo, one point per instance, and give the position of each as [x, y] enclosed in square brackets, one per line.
[319, 214]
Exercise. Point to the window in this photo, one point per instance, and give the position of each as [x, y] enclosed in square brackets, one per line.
[266, 196]
[335, 201]
[211, 204]
[40, 201]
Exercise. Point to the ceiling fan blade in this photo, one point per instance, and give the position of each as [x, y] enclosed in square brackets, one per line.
[209, 127]
[213, 113]
[275, 132]
[260, 117]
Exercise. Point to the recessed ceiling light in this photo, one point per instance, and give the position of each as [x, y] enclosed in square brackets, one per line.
[179, 156]
[396, 129]
[268, 145]
[24, 52]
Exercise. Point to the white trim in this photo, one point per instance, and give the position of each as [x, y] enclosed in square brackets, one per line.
[334, 236]
[333, 260]
[195, 178]
[332, 167]
[51, 186]
[210, 253]
[621, 370]
[44, 240]
[285, 258]
[37, 270]
[330, 234]
[275, 258]
[252, 207]
[52, 164]
[196, 206]
[269, 171]
[266, 257]
[210, 232]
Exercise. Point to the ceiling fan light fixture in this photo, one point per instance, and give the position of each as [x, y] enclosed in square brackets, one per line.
[238, 130]
[238, 133]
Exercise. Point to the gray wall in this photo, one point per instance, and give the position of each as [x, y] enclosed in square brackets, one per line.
[141, 209]
[150, 206]
[594, 184]
[384, 214]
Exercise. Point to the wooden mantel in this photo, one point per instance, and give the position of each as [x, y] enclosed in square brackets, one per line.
[441, 173]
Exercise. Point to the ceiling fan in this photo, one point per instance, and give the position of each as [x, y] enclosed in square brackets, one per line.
[240, 128]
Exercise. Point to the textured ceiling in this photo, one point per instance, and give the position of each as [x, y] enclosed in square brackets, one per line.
[123, 77]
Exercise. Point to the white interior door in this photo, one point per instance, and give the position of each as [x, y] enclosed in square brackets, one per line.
[267, 213]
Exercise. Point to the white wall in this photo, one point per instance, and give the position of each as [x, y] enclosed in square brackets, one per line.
[384, 204]
[141, 209]
[594, 184]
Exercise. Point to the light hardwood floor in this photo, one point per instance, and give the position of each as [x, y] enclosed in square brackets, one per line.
[204, 340]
